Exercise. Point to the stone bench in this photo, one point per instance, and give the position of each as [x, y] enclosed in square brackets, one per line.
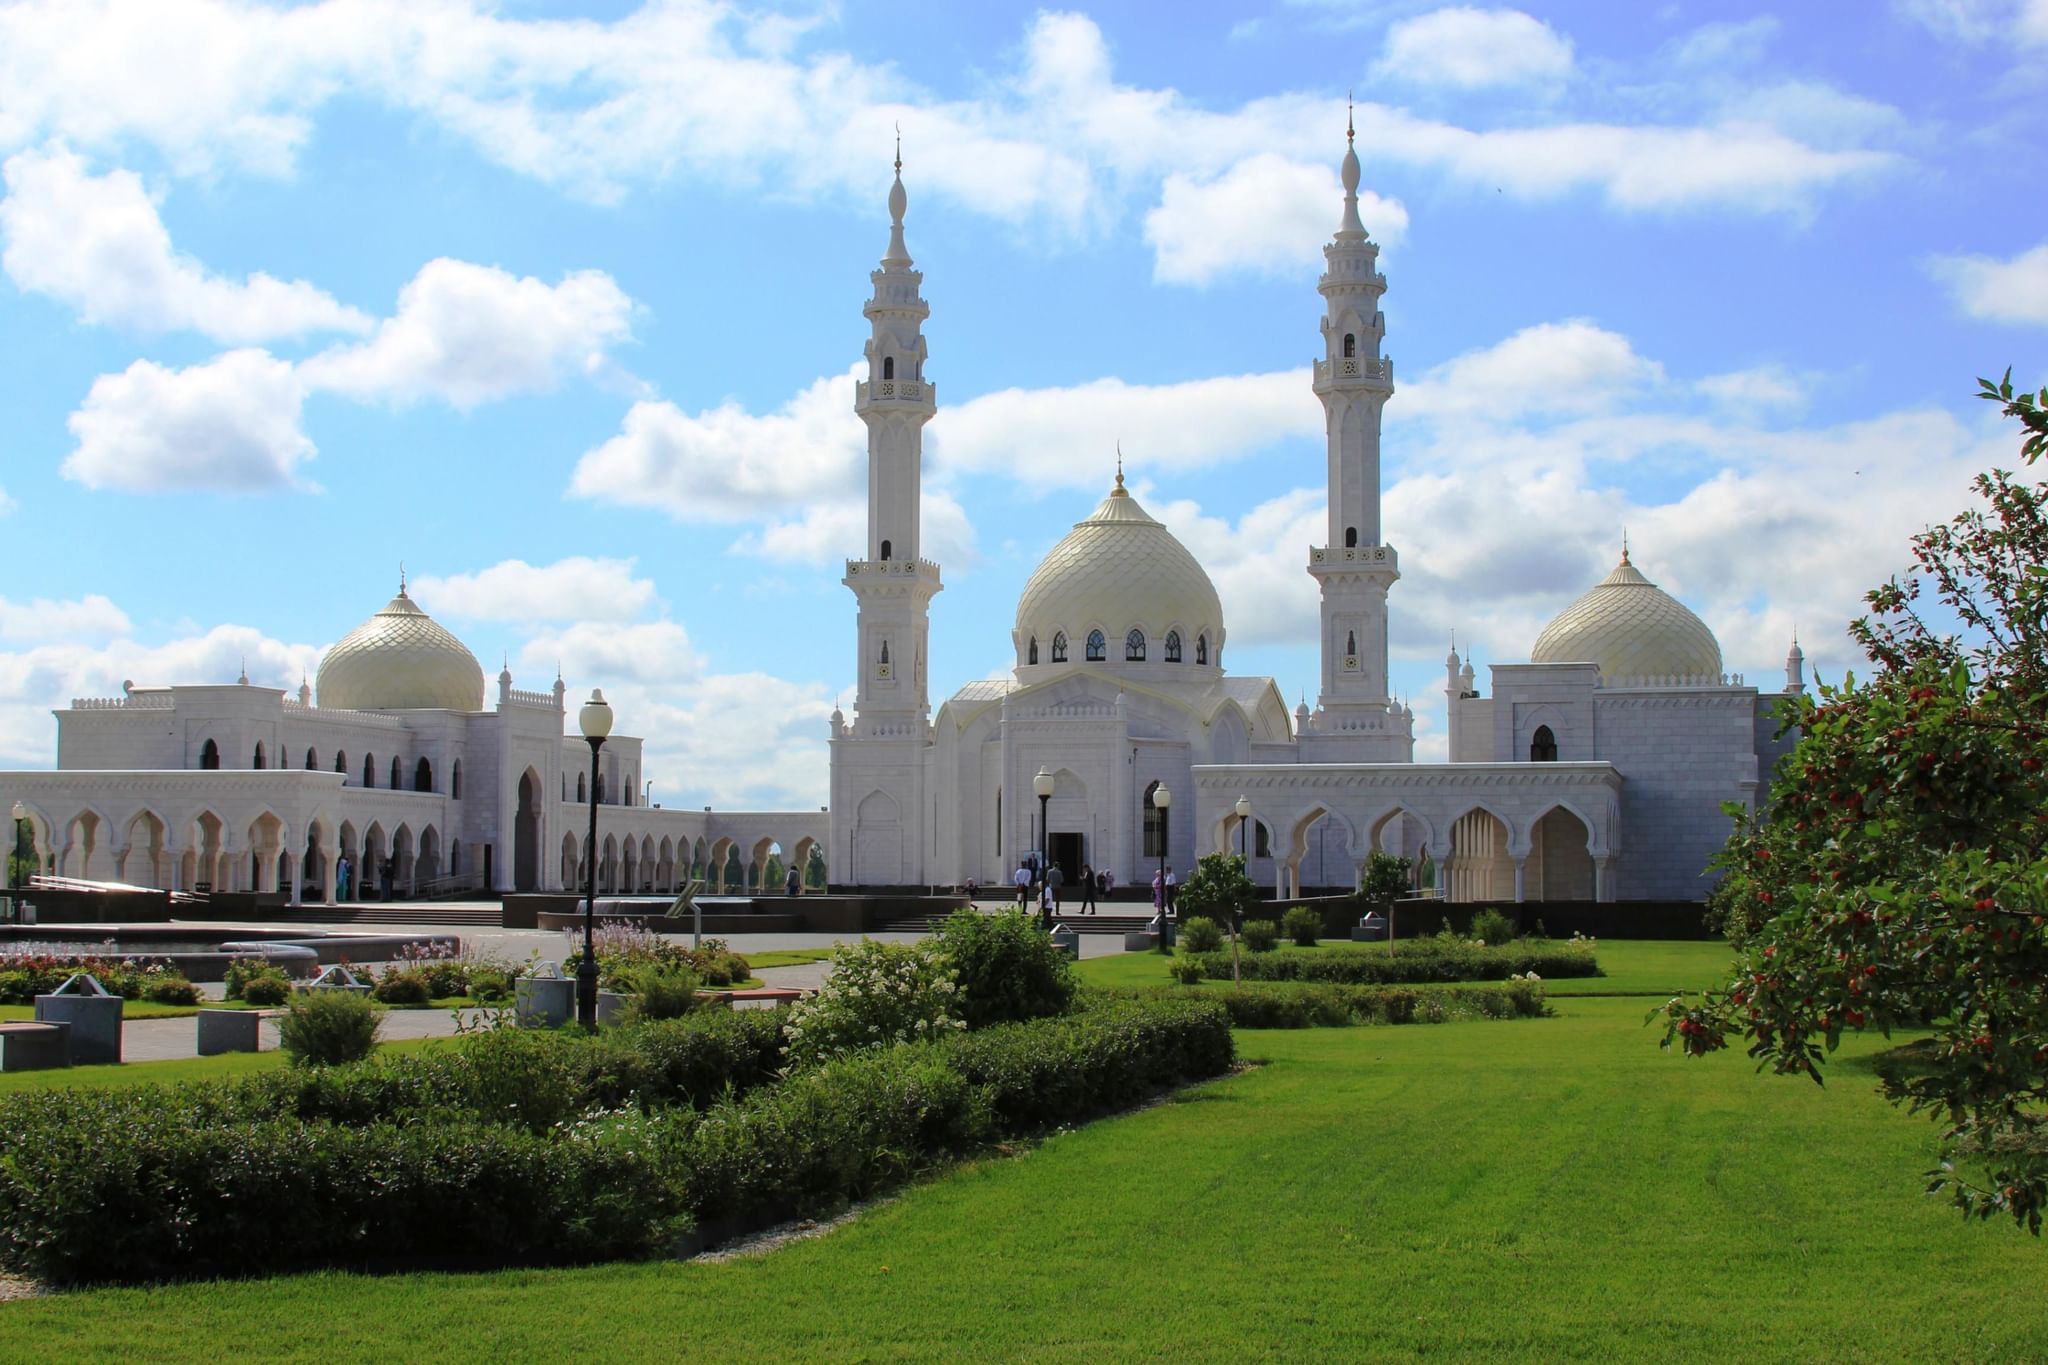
[756, 997]
[232, 1030]
[26, 1046]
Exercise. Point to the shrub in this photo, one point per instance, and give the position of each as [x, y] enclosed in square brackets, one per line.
[268, 990]
[1201, 935]
[1218, 888]
[878, 993]
[326, 1028]
[1302, 924]
[663, 993]
[1492, 927]
[1335, 1006]
[29, 973]
[174, 1198]
[244, 972]
[1006, 967]
[1259, 935]
[169, 988]
[1185, 970]
[1432, 959]
[403, 986]
[489, 985]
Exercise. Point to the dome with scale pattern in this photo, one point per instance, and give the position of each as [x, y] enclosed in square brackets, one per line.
[1632, 629]
[1117, 571]
[400, 660]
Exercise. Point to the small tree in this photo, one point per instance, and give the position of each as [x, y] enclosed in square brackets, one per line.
[1386, 879]
[1898, 875]
[1220, 889]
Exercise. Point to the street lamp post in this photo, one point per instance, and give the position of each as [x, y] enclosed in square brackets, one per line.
[1244, 827]
[595, 720]
[1042, 785]
[1161, 800]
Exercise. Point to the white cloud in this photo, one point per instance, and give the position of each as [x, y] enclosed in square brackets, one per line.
[7, 504]
[1468, 48]
[1054, 143]
[1066, 437]
[231, 424]
[1266, 214]
[2011, 291]
[1764, 386]
[1549, 368]
[469, 334]
[97, 244]
[573, 589]
[88, 617]
[733, 740]
[1980, 21]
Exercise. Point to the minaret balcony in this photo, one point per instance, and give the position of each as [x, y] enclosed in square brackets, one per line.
[1355, 367]
[888, 393]
[893, 577]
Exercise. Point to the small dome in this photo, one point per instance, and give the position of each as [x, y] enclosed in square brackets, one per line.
[1116, 571]
[399, 660]
[1631, 628]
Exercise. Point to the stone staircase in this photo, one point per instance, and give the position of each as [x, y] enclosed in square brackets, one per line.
[384, 913]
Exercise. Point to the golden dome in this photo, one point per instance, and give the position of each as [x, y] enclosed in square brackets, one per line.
[1116, 571]
[400, 660]
[1632, 629]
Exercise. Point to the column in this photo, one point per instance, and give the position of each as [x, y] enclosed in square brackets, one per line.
[1521, 884]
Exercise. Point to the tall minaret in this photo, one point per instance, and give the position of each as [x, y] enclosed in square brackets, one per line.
[879, 810]
[894, 585]
[1354, 719]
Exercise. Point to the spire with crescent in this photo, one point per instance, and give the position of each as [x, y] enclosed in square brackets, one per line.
[1351, 228]
[899, 254]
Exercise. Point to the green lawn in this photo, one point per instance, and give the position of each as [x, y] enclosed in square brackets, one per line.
[785, 957]
[1630, 967]
[1531, 1189]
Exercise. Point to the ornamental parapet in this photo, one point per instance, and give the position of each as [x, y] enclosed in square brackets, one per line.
[546, 701]
[1648, 681]
[904, 393]
[1355, 558]
[1355, 367]
[134, 701]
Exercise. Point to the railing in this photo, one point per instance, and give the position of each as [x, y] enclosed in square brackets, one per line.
[902, 390]
[1355, 367]
[521, 697]
[134, 701]
[1673, 680]
[454, 884]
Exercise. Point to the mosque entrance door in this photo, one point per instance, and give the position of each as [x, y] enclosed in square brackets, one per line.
[526, 836]
[1069, 851]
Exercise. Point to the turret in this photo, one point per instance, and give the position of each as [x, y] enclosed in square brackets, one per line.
[1795, 668]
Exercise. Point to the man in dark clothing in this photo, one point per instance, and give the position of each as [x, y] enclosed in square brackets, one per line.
[1087, 890]
[1054, 881]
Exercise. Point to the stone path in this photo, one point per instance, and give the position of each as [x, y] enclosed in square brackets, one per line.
[165, 1040]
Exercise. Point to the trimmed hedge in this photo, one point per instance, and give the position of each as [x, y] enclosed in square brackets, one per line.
[1335, 1006]
[98, 1189]
[515, 1147]
[1420, 960]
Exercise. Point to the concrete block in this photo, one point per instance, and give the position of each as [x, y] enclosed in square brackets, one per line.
[543, 1001]
[94, 1017]
[228, 1031]
[34, 1047]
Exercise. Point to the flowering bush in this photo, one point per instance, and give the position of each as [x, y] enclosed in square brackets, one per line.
[29, 971]
[626, 949]
[878, 993]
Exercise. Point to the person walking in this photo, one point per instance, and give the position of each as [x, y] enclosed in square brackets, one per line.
[1158, 901]
[1054, 880]
[793, 883]
[389, 868]
[1172, 885]
[1087, 890]
[341, 871]
[1023, 881]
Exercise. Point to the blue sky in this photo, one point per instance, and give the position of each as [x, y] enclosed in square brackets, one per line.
[558, 306]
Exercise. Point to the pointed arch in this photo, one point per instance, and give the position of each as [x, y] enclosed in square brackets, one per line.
[1059, 646]
[423, 776]
[312, 760]
[209, 756]
[1202, 648]
[1098, 647]
[1173, 646]
[1031, 651]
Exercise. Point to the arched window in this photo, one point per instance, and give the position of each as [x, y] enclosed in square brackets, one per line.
[1134, 646]
[1262, 840]
[312, 761]
[1351, 537]
[1155, 823]
[257, 761]
[1173, 646]
[454, 857]
[455, 781]
[423, 776]
[565, 786]
[1201, 649]
[1543, 746]
[1350, 345]
[582, 794]
[341, 764]
[1350, 644]
[1031, 652]
[369, 770]
[885, 549]
[1059, 647]
[397, 774]
[888, 367]
[209, 756]
[1097, 647]
[626, 792]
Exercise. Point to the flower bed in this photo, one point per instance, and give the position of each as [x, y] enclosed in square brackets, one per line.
[1430, 959]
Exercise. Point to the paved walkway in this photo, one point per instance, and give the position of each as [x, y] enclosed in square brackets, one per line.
[156, 1040]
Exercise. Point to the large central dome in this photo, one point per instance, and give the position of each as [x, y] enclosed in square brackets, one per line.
[400, 660]
[1633, 629]
[1120, 572]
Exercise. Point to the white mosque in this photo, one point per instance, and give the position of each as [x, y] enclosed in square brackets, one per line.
[1596, 771]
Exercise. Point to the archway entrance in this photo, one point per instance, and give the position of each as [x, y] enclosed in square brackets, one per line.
[526, 835]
